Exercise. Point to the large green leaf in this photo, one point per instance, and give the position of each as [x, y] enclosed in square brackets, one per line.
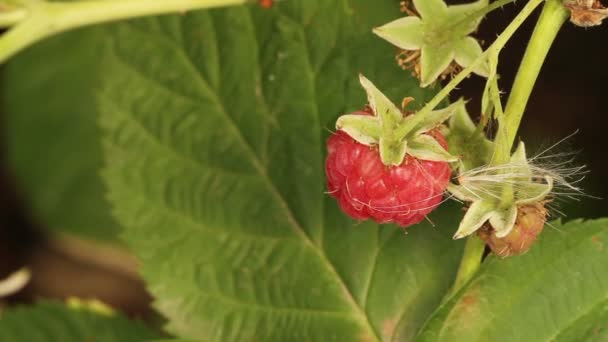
[52, 134]
[215, 125]
[556, 292]
[49, 321]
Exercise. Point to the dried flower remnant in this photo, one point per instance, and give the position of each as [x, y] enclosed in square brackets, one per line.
[586, 13]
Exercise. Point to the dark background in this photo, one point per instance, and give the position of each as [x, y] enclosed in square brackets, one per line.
[569, 96]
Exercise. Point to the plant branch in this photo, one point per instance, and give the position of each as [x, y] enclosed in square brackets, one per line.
[553, 16]
[549, 23]
[44, 19]
[12, 17]
[498, 45]
[469, 264]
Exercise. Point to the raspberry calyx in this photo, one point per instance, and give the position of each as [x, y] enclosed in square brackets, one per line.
[387, 165]
[500, 197]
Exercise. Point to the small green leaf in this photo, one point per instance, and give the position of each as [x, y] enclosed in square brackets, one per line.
[556, 292]
[48, 321]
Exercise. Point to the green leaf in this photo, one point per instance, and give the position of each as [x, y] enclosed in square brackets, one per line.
[52, 135]
[215, 126]
[556, 292]
[49, 321]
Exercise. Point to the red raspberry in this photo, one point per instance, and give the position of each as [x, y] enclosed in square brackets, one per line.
[366, 188]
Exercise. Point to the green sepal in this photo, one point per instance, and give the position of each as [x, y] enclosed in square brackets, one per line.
[503, 220]
[434, 60]
[487, 104]
[497, 191]
[364, 129]
[392, 154]
[467, 51]
[406, 33]
[461, 192]
[386, 111]
[436, 117]
[431, 10]
[441, 34]
[425, 147]
[534, 192]
[468, 142]
[478, 213]
[396, 135]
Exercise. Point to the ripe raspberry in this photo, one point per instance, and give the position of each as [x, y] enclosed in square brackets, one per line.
[366, 188]
[528, 225]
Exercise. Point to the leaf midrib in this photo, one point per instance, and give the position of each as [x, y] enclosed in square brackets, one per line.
[263, 173]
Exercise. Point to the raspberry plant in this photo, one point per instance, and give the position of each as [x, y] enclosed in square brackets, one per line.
[197, 139]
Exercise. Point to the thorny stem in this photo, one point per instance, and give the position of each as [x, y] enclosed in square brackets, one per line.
[498, 45]
[549, 23]
[41, 19]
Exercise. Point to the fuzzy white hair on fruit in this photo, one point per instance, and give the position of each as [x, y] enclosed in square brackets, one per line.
[557, 169]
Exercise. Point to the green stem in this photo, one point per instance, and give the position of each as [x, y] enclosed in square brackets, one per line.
[498, 45]
[469, 264]
[12, 17]
[552, 18]
[48, 18]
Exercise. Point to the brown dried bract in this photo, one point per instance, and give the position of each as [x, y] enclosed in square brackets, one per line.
[586, 13]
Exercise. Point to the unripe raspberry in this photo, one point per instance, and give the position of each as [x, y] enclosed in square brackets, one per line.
[529, 224]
